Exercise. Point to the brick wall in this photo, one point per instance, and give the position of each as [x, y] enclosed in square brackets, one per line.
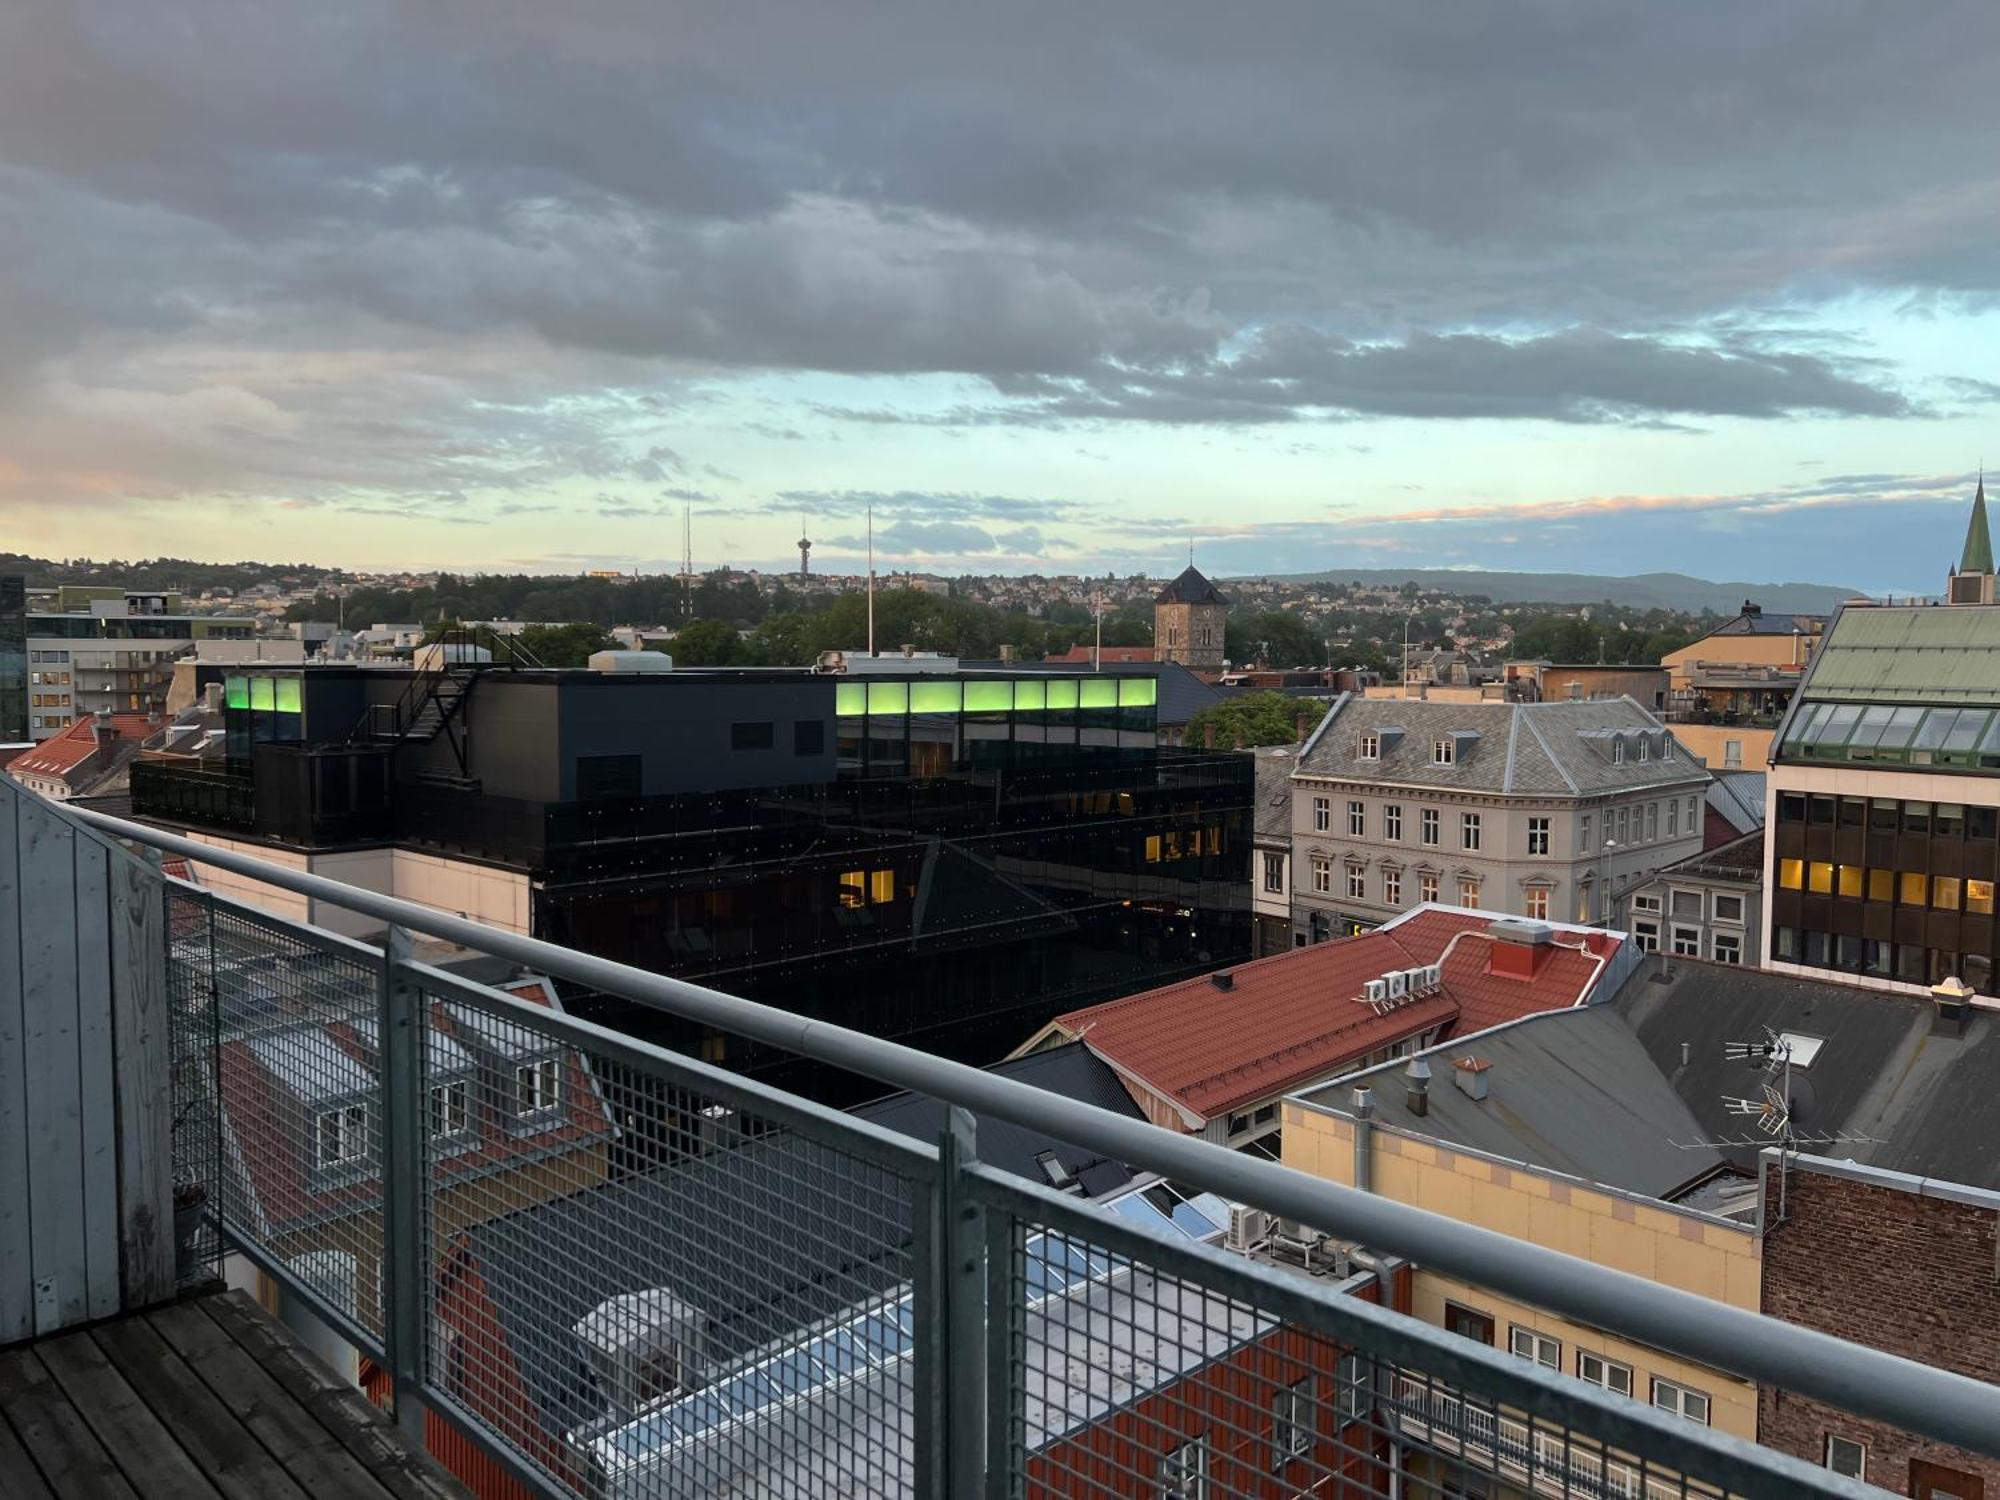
[1884, 1266]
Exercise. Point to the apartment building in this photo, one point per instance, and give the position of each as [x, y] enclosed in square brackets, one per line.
[1727, 690]
[1709, 906]
[1271, 853]
[1542, 810]
[1884, 797]
[111, 651]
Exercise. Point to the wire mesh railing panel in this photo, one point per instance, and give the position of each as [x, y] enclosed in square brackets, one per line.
[1167, 1370]
[278, 1097]
[197, 1132]
[645, 1287]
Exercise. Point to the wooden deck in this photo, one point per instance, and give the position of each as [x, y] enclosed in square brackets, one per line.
[206, 1397]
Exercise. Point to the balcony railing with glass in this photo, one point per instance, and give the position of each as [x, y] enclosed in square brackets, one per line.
[592, 1267]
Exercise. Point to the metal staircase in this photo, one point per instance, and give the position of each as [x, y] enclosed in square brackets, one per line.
[431, 704]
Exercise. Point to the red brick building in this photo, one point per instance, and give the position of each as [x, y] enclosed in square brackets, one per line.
[1906, 1264]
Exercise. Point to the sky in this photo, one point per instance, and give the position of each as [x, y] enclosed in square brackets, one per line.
[1049, 287]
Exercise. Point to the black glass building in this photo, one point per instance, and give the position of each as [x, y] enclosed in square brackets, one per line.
[13, 658]
[947, 859]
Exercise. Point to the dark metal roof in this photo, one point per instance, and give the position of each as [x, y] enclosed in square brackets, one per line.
[1190, 588]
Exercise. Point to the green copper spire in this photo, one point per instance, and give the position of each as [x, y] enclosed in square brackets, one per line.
[1978, 540]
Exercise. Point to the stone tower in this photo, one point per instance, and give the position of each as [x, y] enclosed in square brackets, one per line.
[1971, 582]
[1187, 622]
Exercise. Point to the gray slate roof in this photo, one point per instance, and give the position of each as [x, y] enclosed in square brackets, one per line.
[1190, 588]
[1529, 749]
[1272, 811]
[1739, 797]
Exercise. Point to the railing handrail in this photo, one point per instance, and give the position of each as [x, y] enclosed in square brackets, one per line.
[1870, 1382]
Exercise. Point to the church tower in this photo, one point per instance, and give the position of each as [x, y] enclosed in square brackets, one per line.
[1971, 582]
[1187, 622]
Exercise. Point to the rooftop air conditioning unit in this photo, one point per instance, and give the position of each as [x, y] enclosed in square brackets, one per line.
[1433, 975]
[1376, 991]
[1247, 1227]
[1417, 980]
[1395, 981]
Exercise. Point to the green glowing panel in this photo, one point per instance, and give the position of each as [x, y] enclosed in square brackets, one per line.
[263, 694]
[934, 697]
[236, 692]
[1062, 693]
[1138, 692]
[288, 695]
[983, 697]
[850, 699]
[1031, 695]
[888, 697]
[1100, 692]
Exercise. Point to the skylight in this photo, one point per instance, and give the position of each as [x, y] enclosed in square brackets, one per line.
[1804, 1048]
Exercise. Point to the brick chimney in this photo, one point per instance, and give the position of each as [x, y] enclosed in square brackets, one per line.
[1469, 1073]
[1519, 947]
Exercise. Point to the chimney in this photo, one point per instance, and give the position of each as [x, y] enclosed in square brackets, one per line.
[102, 727]
[1953, 998]
[909, 649]
[1364, 1138]
[1418, 1079]
[1469, 1073]
[211, 698]
[1223, 980]
[1519, 947]
[1006, 651]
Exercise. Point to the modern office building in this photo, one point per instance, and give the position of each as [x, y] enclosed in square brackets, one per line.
[110, 651]
[1542, 810]
[14, 690]
[1885, 796]
[947, 858]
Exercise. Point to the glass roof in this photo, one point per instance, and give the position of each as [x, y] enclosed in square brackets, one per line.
[1957, 737]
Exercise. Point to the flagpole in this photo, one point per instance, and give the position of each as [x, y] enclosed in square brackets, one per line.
[871, 580]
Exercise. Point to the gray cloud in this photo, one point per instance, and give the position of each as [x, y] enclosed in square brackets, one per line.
[365, 249]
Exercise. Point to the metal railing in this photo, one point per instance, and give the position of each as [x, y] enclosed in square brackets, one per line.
[589, 1267]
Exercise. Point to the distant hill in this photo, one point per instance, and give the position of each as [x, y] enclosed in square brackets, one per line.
[1641, 591]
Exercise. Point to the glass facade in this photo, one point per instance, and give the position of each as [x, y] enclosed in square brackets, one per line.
[1890, 888]
[1961, 739]
[13, 657]
[921, 727]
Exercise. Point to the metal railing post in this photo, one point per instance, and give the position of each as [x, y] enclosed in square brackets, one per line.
[951, 1338]
[405, 1293]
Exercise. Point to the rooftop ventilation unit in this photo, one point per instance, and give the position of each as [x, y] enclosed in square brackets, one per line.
[620, 663]
[1396, 981]
[641, 1345]
[1247, 1227]
[1375, 991]
[1223, 980]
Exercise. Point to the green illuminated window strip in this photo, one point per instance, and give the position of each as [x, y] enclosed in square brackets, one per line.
[934, 697]
[888, 697]
[263, 694]
[1099, 692]
[1052, 694]
[236, 692]
[850, 699]
[288, 695]
[1031, 697]
[986, 697]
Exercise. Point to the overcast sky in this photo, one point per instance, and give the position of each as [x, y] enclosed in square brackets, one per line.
[1058, 286]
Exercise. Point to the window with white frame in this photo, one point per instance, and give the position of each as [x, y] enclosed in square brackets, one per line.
[1645, 748]
[1392, 822]
[1539, 1347]
[1845, 1456]
[1392, 887]
[1726, 947]
[1624, 834]
[1292, 1423]
[1427, 825]
[1468, 894]
[1728, 908]
[1607, 1373]
[1322, 875]
[1687, 942]
[1694, 815]
[1538, 835]
[1647, 936]
[1369, 747]
[1666, 747]
[1468, 831]
[1322, 814]
[1583, 833]
[1184, 1472]
[1673, 817]
[1652, 821]
[1646, 902]
[1443, 752]
[1274, 873]
[342, 1135]
[1685, 906]
[1350, 1395]
[450, 1107]
[1427, 888]
[1732, 753]
[1617, 752]
[1681, 1400]
[1536, 899]
[537, 1086]
[1357, 883]
[1357, 819]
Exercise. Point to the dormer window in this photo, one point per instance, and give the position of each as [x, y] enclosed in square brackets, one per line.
[537, 1087]
[1370, 747]
[451, 1108]
[1617, 752]
[342, 1135]
[1444, 752]
[1645, 749]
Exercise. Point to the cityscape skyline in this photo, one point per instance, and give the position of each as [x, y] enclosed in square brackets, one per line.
[1373, 289]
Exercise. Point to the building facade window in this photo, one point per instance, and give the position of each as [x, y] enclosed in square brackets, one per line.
[1357, 883]
[1322, 869]
[1845, 1456]
[1443, 752]
[1732, 753]
[1392, 887]
[1427, 888]
[1537, 903]
[1647, 936]
[1526, 1343]
[1538, 835]
[342, 1135]
[1468, 831]
[1468, 1323]
[1687, 942]
[1274, 873]
[1468, 894]
[1392, 823]
[1351, 1386]
[1427, 825]
[450, 1108]
[1322, 814]
[1357, 819]
[1617, 752]
[1681, 1400]
[1674, 818]
[1369, 748]
[1607, 1373]
[1583, 833]
[1184, 1472]
[1652, 822]
[537, 1086]
[1726, 947]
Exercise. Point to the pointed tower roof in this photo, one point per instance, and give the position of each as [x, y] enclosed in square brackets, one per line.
[1978, 556]
[1190, 588]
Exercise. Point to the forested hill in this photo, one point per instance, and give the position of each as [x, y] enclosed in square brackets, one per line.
[1673, 591]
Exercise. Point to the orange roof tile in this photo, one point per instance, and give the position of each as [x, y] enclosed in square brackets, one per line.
[1296, 1016]
[63, 753]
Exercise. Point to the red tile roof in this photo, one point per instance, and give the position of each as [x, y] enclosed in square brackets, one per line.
[63, 753]
[1296, 1016]
[1111, 655]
